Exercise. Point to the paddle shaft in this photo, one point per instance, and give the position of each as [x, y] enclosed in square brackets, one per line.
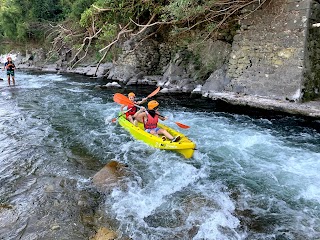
[115, 119]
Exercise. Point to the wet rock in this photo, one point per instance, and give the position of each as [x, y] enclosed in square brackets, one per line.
[217, 81]
[101, 71]
[55, 227]
[197, 90]
[5, 206]
[192, 232]
[150, 80]
[110, 176]
[8, 216]
[166, 219]
[123, 73]
[104, 234]
[310, 109]
[109, 85]
[50, 209]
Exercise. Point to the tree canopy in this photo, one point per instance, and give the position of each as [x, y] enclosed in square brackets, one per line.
[104, 22]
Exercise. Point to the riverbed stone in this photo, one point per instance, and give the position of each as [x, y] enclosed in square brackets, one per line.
[104, 234]
[110, 176]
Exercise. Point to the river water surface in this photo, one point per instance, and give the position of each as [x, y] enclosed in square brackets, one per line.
[250, 177]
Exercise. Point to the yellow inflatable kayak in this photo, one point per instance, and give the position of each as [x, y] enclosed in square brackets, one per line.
[184, 146]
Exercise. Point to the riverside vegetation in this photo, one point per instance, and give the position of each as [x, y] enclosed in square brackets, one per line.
[100, 27]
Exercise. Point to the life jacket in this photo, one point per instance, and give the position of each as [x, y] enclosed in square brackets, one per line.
[132, 111]
[151, 122]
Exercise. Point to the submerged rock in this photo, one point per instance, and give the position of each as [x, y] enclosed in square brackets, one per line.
[110, 176]
[104, 234]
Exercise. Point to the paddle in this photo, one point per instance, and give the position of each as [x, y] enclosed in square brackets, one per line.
[121, 99]
[154, 92]
[115, 119]
[129, 102]
[178, 123]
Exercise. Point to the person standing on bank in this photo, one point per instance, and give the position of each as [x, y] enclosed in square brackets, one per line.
[9, 65]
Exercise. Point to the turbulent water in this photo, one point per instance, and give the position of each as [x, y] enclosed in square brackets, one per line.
[250, 177]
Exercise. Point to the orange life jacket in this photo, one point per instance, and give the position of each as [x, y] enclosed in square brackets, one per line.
[151, 122]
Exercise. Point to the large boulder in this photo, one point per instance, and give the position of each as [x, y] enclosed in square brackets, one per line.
[124, 73]
[104, 234]
[216, 82]
[110, 176]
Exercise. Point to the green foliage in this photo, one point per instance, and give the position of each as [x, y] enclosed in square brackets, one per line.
[78, 7]
[9, 19]
[86, 18]
[32, 20]
[47, 10]
[108, 34]
[180, 10]
[20, 20]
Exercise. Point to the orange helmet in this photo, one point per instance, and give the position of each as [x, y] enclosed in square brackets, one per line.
[131, 94]
[152, 104]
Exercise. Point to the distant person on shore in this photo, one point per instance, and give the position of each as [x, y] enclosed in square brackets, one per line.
[9, 65]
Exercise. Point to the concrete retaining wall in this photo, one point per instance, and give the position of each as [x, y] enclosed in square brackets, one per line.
[275, 52]
[311, 81]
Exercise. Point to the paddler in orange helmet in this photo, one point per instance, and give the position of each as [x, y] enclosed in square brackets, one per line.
[132, 109]
[150, 120]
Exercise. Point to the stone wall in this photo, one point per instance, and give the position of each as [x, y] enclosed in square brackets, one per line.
[311, 80]
[268, 52]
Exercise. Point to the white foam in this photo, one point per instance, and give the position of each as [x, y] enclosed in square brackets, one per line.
[312, 192]
[140, 202]
[211, 223]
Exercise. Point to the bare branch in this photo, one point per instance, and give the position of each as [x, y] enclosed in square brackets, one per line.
[123, 31]
[145, 26]
[234, 10]
[102, 9]
[153, 24]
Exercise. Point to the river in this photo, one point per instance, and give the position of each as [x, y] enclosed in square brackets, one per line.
[251, 177]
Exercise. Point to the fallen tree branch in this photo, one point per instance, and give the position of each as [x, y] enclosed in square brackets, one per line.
[103, 9]
[123, 31]
[109, 46]
[83, 45]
